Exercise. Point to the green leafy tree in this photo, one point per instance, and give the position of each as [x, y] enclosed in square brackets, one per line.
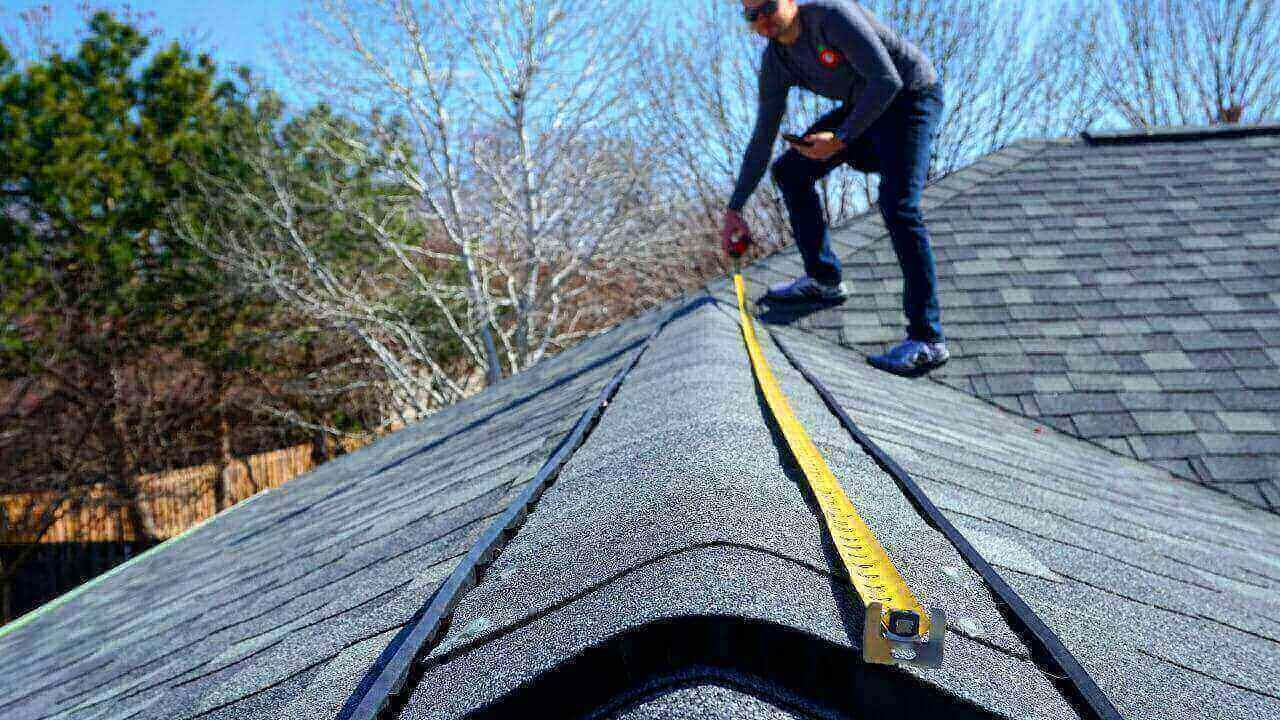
[98, 297]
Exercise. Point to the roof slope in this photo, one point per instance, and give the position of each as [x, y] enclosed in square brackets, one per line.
[1125, 290]
[281, 604]
[1167, 593]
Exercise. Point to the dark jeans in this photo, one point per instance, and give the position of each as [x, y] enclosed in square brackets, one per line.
[897, 146]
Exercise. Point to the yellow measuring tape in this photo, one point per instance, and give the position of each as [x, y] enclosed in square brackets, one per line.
[898, 630]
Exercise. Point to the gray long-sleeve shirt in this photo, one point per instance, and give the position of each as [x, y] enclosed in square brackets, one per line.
[843, 53]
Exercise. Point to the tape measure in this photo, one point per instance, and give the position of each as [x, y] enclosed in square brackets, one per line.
[898, 631]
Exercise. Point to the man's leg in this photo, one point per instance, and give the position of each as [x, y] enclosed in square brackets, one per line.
[903, 148]
[797, 177]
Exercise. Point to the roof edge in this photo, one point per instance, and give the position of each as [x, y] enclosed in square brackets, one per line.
[1182, 133]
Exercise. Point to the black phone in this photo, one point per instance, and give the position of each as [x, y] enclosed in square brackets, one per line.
[797, 139]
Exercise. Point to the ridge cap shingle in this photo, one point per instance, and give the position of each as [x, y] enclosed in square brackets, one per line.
[1179, 133]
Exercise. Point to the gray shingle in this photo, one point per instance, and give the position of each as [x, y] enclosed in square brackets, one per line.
[1073, 403]
[1164, 422]
[1243, 468]
[1167, 446]
[1173, 381]
[1250, 422]
[1268, 379]
[1095, 425]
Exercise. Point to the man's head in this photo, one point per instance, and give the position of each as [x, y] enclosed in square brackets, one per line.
[770, 18]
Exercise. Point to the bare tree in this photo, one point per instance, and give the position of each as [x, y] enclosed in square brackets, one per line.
[508, 123]
[333, 248]
[1188, 62]
[1006, 67]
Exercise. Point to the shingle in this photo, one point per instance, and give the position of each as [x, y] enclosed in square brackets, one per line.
[1092, 425]
[1097, 382]
[1015, 296]
[1116, 445]
[1005, 363]
[1139, 383]
[1011, 404]
[1238, 321]
[1062, 423]
[1248, 399]
[1203, 341]
[1163, 422]
[1243, 468]
[1166, 446]
[979, 267]
[1062, 329]
[1211, 360]
[1130, 363]
[1181, 468]
[1072, 403]
[1216, 304]
[1125, 343]
[1207, 422]
[1010, 384]
[1244, 339]
[1198, 380]
[1187, 324]
[1260, 379]
[1092, 363]
[1051, 384]
[1224, 443]
[1134, 292]
[1042, 312]
[1249, 421]
[1098, 310]
[1188, 401]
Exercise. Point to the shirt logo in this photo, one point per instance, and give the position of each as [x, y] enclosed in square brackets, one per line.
[828, 57]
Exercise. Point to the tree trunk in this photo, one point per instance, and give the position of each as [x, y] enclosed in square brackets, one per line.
[222, 480]
[6, 594]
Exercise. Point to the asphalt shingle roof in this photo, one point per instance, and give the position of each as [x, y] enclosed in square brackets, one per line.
[278, 607]
[678, 568]
[1125, 290]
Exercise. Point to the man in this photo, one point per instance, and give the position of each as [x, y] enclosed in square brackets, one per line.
[892, 102]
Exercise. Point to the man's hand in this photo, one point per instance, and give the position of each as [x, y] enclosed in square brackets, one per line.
[734, 233]
[825, 144]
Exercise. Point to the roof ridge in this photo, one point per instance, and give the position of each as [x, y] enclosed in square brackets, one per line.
[1180, 133]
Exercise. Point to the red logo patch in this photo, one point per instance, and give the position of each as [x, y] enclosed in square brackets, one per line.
[829, 58]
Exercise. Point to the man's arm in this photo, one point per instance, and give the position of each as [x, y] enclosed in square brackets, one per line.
[849, 32]
[771, 106]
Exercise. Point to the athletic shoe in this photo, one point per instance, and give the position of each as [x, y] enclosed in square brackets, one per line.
[806, 289]
[911, 358]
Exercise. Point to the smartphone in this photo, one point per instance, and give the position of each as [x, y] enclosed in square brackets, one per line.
[797, 139]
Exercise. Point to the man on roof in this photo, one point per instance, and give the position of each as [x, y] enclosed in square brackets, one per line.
[891, 100]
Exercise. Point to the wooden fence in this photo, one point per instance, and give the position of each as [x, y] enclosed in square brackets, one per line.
[174, 501]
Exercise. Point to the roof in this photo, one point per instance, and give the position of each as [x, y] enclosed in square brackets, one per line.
[284, 601]
[678, 507]
[1126, 292]
[674, 566]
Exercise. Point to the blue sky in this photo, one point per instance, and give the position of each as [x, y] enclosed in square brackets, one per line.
[236, 31]
[239, 32]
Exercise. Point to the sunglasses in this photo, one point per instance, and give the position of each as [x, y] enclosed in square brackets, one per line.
[752, 14]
